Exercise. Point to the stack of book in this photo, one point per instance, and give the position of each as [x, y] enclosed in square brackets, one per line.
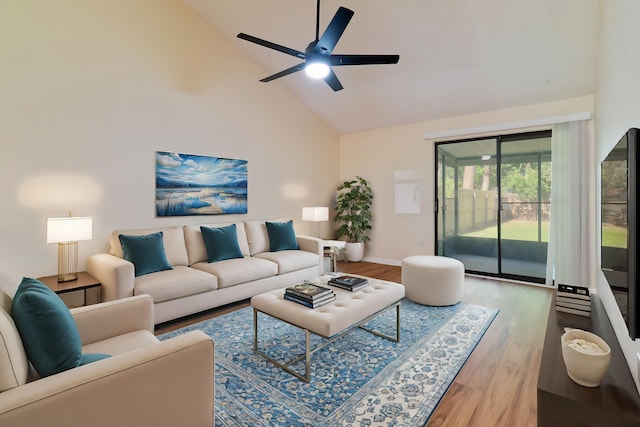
[573, 299]
[350, 283]
[309, 294]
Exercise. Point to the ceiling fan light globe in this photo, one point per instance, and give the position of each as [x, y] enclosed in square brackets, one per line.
[317, 70]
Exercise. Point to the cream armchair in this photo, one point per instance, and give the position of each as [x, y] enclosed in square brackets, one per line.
[145, 383]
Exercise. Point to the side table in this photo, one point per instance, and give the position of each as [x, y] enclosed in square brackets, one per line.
[82, 283]
[332, 253]
[332, 250]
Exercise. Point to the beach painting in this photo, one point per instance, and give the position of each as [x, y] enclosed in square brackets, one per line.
[188, 184]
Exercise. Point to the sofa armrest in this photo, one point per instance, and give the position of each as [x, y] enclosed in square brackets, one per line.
[167, 384]
[116, 275]
[109, 319]
[312, 244]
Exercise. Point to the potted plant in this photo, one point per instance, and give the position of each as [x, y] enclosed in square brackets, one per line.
[353, 204]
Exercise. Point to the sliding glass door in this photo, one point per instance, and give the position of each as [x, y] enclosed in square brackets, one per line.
[492, 202]
[525, 177]
[467, 204]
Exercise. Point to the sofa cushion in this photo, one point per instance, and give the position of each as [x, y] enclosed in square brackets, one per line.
[281, 236]
[196, 249]
[47, 329]
[288, 261]
[171, 284]
[172, 239]
[14, 365]
[221, 243]
[234, 271]
[257, 236]
[146, 253]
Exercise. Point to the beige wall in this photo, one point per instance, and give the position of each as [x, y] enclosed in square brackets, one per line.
[89, 90]
[617, 109]
[376, 155]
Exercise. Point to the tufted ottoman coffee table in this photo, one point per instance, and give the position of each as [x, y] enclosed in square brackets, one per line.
[332, 321]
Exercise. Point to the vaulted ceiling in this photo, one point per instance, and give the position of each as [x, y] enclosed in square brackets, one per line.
[456, 56]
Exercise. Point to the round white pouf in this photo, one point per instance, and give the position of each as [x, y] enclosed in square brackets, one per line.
[433, 280]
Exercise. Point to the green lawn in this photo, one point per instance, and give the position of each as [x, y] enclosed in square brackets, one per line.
[514, 230]
[614, 237]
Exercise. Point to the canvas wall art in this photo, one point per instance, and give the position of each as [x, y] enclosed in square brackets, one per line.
[188, 184]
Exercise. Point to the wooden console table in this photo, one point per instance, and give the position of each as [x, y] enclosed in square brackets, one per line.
[562, 402]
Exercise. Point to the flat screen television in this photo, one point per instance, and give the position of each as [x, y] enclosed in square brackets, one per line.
[618, 232]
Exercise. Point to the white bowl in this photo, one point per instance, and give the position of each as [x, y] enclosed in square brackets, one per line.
[585, 366]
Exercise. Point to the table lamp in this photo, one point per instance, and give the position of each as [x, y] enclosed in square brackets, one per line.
[315, 214]
[66, 232]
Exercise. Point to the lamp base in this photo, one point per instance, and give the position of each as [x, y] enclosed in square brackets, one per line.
[67, 261]
[70, 277]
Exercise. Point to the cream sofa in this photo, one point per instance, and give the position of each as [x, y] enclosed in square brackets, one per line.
[145, 382]
[195, 285]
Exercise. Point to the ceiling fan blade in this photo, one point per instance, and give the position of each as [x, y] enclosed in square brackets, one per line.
[332, 81]
[334, 31]
[363, 59]
[271, 45]
[284, 73]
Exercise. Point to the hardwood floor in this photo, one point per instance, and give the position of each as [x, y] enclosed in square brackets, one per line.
[497, 385]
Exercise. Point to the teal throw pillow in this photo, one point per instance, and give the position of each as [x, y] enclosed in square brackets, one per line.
[145, 252]
[87, 358]
[221, 243]
[47, 329]
[281, 236]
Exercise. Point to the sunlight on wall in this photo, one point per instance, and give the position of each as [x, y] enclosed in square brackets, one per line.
[295, 191]
[59, 192]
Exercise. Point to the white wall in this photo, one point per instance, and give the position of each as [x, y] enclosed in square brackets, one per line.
[90, 90]
[617, 109]
[377, 154]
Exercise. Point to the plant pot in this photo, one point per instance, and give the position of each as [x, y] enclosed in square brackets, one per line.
[354, 251]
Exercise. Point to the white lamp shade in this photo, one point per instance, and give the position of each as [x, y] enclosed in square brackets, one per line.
[71, 229]
[315, 214]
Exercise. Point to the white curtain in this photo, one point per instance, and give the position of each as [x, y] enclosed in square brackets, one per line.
[571, 251]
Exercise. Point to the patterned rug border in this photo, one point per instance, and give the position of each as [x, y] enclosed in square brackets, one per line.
[405, 391]
[424, 346]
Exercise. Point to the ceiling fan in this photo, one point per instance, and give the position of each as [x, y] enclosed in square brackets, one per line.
[318, 57]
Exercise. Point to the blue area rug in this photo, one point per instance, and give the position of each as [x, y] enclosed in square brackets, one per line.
[358, 380]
